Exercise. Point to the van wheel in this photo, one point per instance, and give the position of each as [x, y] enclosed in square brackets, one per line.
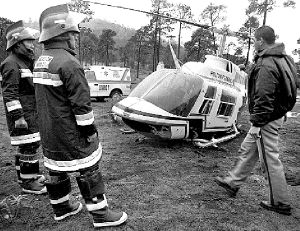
[116, 96]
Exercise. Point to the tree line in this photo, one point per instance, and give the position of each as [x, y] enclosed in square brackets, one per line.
[148, 46]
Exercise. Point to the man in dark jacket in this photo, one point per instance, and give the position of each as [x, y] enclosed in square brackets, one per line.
[20, 105]
[271, 94]
[69, 137]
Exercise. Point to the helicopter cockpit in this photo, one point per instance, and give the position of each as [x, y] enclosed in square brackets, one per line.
[170, 90]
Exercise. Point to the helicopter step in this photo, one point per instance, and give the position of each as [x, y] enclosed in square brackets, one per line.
[203, 143]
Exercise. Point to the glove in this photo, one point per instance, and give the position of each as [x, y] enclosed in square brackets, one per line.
[92, 138]
[21, 123]
[89, 132]
[254, 132]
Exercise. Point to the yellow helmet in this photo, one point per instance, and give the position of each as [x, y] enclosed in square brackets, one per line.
[57, 20]
[18, 32]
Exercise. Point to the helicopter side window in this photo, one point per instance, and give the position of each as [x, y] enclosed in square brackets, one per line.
[208, 101]
[229, 67]
[227, 104]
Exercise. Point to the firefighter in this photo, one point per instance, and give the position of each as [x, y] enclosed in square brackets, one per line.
[20, 105]
[69, 137]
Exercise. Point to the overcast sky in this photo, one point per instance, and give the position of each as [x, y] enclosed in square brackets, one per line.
[285, 21]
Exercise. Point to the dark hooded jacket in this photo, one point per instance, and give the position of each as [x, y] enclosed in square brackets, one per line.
[271, 85]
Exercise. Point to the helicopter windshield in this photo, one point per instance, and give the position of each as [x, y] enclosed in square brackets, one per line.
[170, 90]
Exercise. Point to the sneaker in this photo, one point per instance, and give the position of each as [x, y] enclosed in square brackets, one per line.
[231, 190]
[109, 218]
[34, 185]
[279, 208]
[66, 210]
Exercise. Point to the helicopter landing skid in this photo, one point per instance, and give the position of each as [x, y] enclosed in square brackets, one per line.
[203, 143]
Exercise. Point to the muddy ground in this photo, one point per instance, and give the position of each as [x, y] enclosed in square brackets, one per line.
[162, 185]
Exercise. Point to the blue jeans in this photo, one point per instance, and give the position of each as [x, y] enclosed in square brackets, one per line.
[249, 155]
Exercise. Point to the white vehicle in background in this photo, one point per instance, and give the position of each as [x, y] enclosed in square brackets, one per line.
[108, 82]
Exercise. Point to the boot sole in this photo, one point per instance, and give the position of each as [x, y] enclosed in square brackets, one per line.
[232, 192]
[113, 223]
[69, 214]
[42, 191]
[277, 210]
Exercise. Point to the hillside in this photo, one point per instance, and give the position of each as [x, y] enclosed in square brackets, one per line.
[97, 25]
[123, 33]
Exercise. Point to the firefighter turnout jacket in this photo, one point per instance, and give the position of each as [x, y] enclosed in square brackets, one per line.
[65, 114]
[18, 97]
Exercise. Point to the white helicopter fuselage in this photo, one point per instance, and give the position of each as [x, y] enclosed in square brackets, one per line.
[197, 101]
[219, 111]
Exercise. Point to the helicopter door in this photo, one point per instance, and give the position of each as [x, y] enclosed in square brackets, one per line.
[220, 115]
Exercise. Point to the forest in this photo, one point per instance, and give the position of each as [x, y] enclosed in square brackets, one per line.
[110, 44]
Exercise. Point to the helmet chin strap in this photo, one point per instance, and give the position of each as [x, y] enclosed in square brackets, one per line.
[70, 45]
[63, 37]
[23, 50]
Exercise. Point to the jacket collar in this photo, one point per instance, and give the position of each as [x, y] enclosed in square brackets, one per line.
[59, 45]
[278, 49]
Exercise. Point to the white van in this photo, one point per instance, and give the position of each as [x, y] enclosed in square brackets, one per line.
[105, 81]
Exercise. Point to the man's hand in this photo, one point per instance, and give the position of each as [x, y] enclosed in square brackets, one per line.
[92, 138]
[21, 123]
[254, 132]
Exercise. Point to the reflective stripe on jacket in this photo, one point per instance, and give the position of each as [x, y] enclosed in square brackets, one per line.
[64, 108]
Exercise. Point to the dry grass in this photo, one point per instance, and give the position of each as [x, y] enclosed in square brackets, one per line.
[161, 185]
[10, 206]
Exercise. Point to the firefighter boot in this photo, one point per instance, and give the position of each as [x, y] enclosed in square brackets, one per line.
[92, 189]
[31, 181]
[102, 215]
[59, 194]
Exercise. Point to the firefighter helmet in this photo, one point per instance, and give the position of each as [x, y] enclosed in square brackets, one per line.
[18, 32]
[57, 20]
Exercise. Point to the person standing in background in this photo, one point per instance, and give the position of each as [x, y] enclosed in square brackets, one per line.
[20, 105]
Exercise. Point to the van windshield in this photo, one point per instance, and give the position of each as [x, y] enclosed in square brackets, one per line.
[90, 76]
[170, 90]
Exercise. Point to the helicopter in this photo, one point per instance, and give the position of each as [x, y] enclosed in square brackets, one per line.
[196, 101]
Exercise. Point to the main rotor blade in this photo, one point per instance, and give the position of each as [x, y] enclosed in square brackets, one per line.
[216, 30]
[156, 14]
